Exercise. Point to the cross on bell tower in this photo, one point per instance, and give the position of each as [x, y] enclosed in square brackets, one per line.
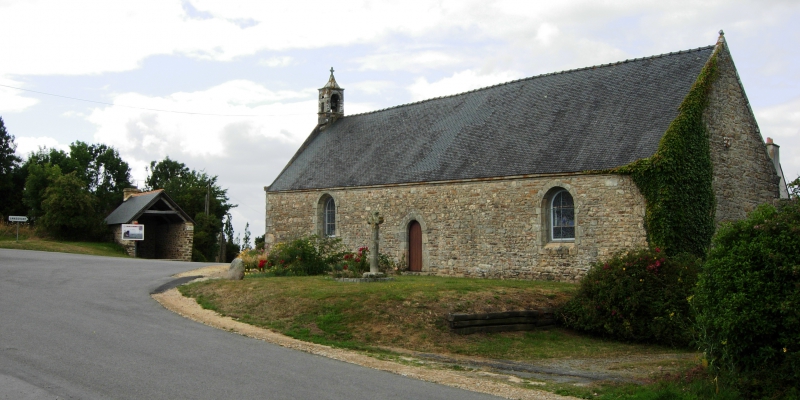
[331, 102]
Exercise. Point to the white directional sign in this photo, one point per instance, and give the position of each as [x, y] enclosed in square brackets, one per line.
[14, 218]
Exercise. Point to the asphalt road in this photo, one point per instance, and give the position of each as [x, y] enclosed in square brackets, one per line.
[82, 327]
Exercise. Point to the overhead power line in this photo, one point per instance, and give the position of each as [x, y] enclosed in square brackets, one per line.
[155, 109]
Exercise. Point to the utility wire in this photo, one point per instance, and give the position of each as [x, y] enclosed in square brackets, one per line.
[155, 109]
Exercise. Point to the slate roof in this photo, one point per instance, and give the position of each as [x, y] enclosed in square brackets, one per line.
[137, 204]
[587, 119]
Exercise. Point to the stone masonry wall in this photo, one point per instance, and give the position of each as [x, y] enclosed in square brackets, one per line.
[164, 241]
[490, 228]
[176, 241]
[128, 245]
[744, 175]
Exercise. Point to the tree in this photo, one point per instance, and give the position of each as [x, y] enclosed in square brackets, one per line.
[40, 177]
[9, 164]
[794, 189]
[100, 167]
[189, 188]
[246, 239]
[69, 210]
[232, 248]
[105, 173]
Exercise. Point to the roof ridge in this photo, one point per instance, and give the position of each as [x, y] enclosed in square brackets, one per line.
[535, 77]
[148, 192]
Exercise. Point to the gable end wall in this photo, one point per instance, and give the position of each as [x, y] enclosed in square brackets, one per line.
[744, 176]
[490, 228]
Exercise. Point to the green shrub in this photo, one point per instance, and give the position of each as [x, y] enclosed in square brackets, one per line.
[636, 296]
[352, 264]
[748, 298]
[298, 257]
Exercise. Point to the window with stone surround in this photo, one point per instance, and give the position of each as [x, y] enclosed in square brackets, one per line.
[561, 216]
[330, 217]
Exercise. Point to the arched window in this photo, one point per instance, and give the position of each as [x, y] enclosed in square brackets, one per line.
[329, 226]
[562, 217]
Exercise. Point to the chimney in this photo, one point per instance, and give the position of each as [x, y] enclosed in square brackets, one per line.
[774, 153]
[128, 192]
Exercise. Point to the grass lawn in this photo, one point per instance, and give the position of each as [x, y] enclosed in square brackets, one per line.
[29, 241]
[389, 319]
[406, 314]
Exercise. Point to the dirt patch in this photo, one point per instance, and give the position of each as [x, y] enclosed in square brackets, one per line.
[507, 386]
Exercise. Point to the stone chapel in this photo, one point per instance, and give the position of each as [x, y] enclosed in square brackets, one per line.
[512, 181]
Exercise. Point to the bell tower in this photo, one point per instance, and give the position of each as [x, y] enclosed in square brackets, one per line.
[331, 102]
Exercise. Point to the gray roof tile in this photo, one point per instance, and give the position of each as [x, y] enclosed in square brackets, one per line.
[581, 120]
[137, 204]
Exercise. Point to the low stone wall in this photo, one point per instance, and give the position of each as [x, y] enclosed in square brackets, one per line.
[489, 228]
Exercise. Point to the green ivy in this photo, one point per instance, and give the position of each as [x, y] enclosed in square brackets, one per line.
[676, 181]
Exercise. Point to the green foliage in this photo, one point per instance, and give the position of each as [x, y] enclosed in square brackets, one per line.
[637, 296]
[9, 163]
[794, 188]
[69, 210]
[748, 298]
[296, 258]
[206, 237]
[103, 171]
[188, 188]
[40, 177]
[676, 180]
[246, 238]
[352, 264]
[98, 166]
[260, 241]
[232, 248]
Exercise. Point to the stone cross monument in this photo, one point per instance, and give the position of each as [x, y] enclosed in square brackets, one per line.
[375, 219]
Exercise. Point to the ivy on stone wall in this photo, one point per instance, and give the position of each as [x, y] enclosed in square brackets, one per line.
[676, 181]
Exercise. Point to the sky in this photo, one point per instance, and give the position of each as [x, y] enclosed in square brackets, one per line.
[229, 87]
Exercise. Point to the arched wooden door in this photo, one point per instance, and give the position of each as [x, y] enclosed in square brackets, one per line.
[414, 246]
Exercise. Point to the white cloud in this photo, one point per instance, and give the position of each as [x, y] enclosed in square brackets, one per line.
[371, 87]
[407, 61]
[282, 115]
[782, 123]
[27, 145]
[460, 82]
[12, 100]
[282, 61]
[90, 37]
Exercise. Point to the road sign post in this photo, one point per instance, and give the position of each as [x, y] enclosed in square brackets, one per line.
[17, 219]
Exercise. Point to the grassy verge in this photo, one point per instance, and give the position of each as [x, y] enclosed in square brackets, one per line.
[29, 241]
[405, 314]
[392, 318]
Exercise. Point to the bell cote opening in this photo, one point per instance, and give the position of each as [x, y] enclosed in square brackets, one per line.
[331, 102]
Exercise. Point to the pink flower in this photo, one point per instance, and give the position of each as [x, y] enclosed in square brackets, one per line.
[658, 250]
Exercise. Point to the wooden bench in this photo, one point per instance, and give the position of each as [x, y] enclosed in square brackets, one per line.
[508, 321]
